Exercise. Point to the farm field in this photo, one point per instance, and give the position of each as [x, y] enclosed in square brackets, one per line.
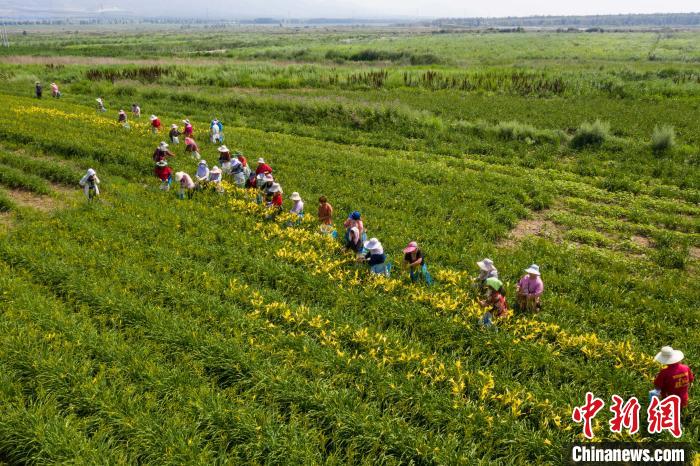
[147, 329]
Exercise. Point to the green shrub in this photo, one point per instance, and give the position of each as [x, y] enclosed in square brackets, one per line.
[591, 134]
[663, 139]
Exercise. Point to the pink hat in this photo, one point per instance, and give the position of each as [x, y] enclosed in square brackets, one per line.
[412, 246]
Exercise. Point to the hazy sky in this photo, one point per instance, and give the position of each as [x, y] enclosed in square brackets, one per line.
[362, 8]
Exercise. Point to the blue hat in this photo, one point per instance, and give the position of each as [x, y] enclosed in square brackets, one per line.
[355, 215]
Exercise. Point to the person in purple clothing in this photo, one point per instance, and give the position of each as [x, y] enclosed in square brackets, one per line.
[530, 289]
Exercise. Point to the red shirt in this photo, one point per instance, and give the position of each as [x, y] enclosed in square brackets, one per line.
[263, 168]
[277, 200]
[163, 172]
[675, 379]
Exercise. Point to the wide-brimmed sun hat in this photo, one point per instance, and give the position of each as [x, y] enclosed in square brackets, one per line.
[202, 162]
[215, 170]
[223, 149]
[174, 125]
[533, 269]
[122, 111]
[91, 172]
[163, 144]
[261, 160]
[275, 188]
[486, 265]
[162, 163]
[412, 246]
[668, 355]
[295, 196]
[373, 244]
[153, 117]
[494, 283]
[179, 176]
[187, 122]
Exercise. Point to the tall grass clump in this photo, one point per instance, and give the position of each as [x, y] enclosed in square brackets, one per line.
[591, 134]
[663, 139]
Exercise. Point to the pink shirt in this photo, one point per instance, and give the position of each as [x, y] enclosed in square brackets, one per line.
[186, 182]
[531, 287]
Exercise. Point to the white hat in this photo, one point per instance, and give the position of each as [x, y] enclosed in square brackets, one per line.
[275, 188]
[534, 269]
[215, 170]
[178, 176]
[374, 245]
[261, 160]
[267, 178]
[174, 125]
[122, 111]
[202, 162]
[162, 163]
[91, 172]
[153, 117]
[223, 149]
[99, 99]
[163, 144]
[668, 355]
[187, 122]
[486, 265]
[295, 196]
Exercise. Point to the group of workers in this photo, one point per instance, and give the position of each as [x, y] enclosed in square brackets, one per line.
[674, 379]
[39, 90]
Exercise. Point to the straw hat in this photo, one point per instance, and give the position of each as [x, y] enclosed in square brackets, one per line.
[374, 245]
[178, 176]
[162, 163]
[668, 355]
[486, 265]
[412, 246]
[223, 149]
[533, 269]
[187, 122]
[215, 170]
[295, 196]
[261, 160]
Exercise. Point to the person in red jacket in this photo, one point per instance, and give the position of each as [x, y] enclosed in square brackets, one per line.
[262, 167]
[164, 173]
[155, 124]
[675, 378]
[276, 191]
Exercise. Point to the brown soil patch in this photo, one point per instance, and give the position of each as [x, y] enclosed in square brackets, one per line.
[35, 201]
[641, 241]
[535, 226]
[694, 253]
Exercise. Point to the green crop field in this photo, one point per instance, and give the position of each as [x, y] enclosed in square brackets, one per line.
[142, 328]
